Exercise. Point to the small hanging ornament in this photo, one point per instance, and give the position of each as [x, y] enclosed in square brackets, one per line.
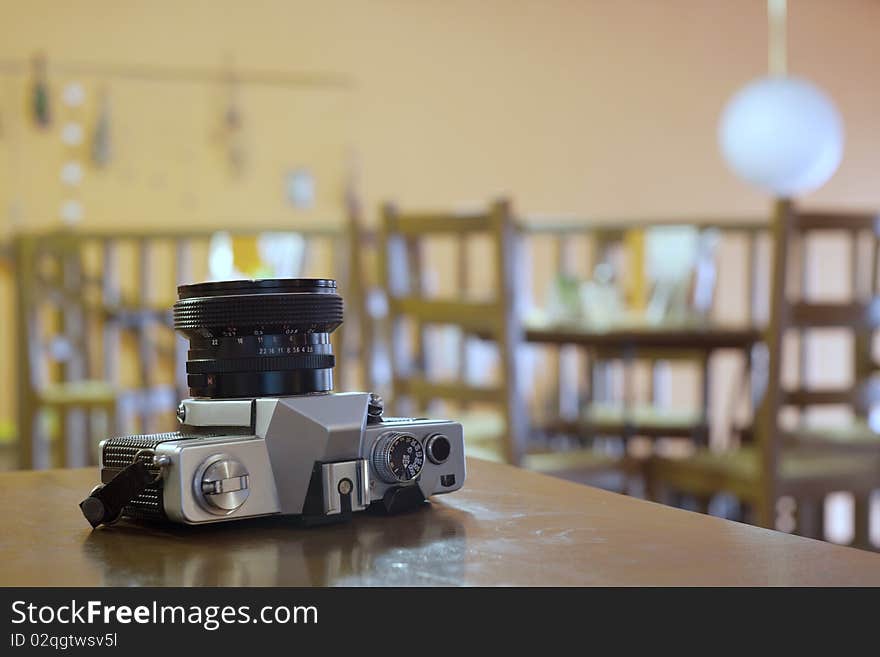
[73, 94]
[71, 212]
[232, 121]
[72, 134]
[101, 143]
[230, 135]
[71, 173]
[40, 104]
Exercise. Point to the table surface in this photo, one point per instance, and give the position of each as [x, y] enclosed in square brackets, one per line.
[505, 527]
[690, 335]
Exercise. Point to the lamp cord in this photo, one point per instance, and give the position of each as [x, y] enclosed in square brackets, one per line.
[777, 37]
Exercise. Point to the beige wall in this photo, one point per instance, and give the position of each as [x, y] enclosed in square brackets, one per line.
[602, 108]
[593, 108]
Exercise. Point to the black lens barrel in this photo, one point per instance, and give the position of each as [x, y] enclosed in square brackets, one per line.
[259, 338]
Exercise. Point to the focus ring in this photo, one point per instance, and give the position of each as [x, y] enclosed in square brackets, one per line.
[261, 364]
[300, 310]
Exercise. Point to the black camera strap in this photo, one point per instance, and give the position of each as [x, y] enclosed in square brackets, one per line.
[106, 502]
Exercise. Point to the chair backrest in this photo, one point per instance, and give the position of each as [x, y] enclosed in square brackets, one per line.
[860, 314]
[52, 327]
[792, 310]
[403, 240]
[360, 336]
[110, 293]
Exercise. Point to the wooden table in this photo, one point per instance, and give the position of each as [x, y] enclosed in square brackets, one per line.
[505, 527]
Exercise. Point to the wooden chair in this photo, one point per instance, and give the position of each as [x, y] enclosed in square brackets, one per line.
[360, 336]
[504, 434]
[403, 242]
[777, 464]
[65, 351]
[859, 315]
[94, 332]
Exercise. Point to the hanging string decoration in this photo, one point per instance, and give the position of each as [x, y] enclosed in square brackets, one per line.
[40, 103]
[231, 134]
[101, 142]
[233, 123]
[73, 98]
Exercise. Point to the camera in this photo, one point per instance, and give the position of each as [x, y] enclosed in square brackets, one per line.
[263, 433]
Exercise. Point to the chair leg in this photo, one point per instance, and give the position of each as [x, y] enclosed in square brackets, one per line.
[810, 521]
[861, 520]
[637, 479]
[91, 414]
[58, 442]
[108, 430]
[651, 484]
[678, 499]
[764, 512]
[112, 427]
[25, 430]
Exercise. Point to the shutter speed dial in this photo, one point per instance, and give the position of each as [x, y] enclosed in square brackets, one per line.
[398, 457]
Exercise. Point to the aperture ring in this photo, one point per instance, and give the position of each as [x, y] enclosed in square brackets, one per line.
[290, 338]
[261, 364]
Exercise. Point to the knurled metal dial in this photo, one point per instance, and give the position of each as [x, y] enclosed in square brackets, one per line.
[398, 457]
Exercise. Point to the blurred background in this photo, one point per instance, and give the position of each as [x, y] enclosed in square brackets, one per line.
[633, 244]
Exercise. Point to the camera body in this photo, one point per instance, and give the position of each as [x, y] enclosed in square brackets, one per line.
[317, 456]
[263, 432]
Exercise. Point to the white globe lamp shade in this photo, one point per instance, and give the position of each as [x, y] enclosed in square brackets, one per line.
[782, 134]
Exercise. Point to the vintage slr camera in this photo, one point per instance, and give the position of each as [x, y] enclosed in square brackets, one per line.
[263, 433]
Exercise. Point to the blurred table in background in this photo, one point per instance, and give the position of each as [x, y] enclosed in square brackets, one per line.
[505, 527]
[635, 337]
[625, 297]
[696, 341]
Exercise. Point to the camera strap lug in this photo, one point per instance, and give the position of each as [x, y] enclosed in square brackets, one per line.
[105, 503]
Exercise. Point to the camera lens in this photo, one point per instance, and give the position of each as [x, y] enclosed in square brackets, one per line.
[259, 337]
